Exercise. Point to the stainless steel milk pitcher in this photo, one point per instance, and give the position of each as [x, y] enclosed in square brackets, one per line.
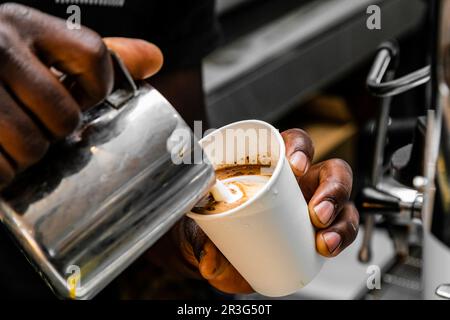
[103, 196]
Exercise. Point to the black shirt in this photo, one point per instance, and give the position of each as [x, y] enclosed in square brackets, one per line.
[185, 30]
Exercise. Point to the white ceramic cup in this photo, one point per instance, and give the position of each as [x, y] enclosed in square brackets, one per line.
[269, 239]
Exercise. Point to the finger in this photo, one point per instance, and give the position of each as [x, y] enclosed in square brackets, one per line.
[20, 138]
[39, 91]
[79, 53]
[192, 240]
[332, 240]
[142, 59]
[299, 150]
[327, 187]
[220, 273]
[200, 252]
[6, 171]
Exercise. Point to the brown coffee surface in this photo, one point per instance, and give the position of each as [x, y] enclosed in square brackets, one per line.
[248, 187]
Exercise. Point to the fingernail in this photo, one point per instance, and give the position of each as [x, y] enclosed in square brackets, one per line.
[324, 211]
[299, 161]
[332, 240]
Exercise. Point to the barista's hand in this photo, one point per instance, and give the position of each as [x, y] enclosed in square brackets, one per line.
[326, 186]
[35, 107]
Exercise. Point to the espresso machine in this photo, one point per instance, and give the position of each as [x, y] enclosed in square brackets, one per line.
[413, 190]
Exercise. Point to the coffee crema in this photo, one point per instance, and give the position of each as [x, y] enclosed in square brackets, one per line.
[246, 179]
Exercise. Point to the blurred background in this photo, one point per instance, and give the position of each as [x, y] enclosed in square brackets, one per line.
[304, 63]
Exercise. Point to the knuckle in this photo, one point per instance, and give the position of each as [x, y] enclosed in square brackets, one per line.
[68, 122]
[99, 64]
[10, 8]
[297, 133]
[351, 230]
[35, 147]
[339, 191]
[95, 48]
[299, 140]
[354, 221]
[349, 223]
[29, 143]
[340, 173]
[341, 164]
[6, 172]
[62, 115]
[11, 11]
[6, 43]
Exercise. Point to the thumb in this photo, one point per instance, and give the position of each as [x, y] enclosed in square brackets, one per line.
[142, 59]
[219, 272]
[200, 252]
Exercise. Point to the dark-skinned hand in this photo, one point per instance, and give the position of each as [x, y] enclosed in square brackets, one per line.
[326, 187]
[36, 108]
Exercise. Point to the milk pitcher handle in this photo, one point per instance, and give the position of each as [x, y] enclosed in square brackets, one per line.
[124, 86]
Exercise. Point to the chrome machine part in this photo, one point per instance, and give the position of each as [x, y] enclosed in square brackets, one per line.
[433, 197]
[106, 194]
[392, 87]
[436, 210]
[320, 40]
[443, 291]
[384, 195]
[365, 253]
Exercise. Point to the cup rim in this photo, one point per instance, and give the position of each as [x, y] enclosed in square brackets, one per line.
[267, 186]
